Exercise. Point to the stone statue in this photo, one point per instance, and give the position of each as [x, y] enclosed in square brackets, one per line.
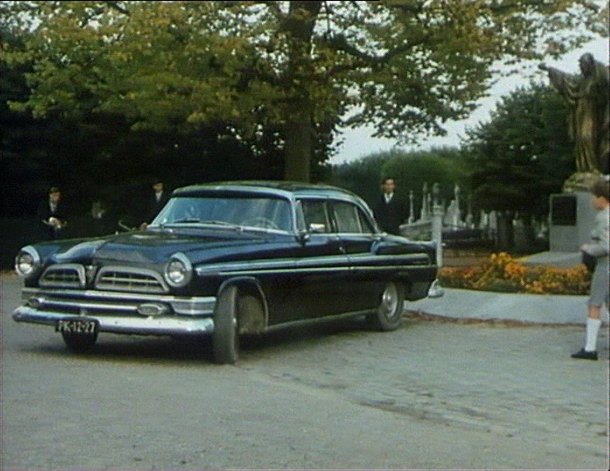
[587, 95]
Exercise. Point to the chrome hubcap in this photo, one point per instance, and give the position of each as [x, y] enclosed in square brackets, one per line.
[389, 301]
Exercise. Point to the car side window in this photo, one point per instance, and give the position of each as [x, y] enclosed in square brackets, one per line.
[347, 218]
[365, 223]
[316, 216]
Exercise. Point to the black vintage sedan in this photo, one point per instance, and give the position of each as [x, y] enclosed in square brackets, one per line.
[224, 260]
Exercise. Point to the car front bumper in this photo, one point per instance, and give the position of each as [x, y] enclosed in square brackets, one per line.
[123, 313]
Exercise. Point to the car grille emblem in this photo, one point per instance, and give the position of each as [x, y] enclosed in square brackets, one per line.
[90, 273]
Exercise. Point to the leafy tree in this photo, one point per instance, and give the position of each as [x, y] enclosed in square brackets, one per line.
[100, 156]
[287, 68]
[25, 143]
[523, 153]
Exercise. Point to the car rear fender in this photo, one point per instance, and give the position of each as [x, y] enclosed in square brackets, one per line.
[252, 307]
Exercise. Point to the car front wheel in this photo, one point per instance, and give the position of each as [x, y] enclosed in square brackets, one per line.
[388, 315]
[225, 340]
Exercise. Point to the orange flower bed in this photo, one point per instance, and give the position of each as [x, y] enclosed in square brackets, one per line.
[503, 273]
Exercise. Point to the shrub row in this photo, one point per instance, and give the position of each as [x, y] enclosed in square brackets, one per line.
[502, 273]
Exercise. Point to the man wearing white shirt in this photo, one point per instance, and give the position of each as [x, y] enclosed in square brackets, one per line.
[389, 212]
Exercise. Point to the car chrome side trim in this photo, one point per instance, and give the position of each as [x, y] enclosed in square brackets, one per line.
[318, 264]
[317, 270]
[412, 259]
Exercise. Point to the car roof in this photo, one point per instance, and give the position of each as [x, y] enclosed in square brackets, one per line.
[286, 189]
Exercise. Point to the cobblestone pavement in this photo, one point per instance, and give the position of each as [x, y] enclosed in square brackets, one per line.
[429, 395]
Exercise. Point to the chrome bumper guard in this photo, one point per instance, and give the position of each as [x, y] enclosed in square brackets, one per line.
[127, 313]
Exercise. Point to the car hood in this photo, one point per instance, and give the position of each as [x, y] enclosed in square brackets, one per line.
[153, 248]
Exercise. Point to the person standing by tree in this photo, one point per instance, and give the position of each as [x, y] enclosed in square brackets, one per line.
[51, 215]
[389, 211]
[599, 282]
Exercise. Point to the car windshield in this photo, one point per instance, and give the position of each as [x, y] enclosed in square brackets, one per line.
[226, 211]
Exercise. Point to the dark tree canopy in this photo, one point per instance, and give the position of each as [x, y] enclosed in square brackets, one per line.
[523, 153]
[287, 69]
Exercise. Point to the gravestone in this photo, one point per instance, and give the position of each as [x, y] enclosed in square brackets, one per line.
[452, 216]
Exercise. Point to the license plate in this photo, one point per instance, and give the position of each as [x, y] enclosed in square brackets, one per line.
[77, 326]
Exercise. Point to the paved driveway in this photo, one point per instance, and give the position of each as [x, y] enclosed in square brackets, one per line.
[430, 395]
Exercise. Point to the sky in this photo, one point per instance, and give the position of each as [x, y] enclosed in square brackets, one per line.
[359, 142]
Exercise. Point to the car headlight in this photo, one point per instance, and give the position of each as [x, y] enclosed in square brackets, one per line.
[27, 261]
[178, 271]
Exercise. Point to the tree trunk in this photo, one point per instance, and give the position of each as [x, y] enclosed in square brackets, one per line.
[299, 26]
[506, 235]
[298, 147]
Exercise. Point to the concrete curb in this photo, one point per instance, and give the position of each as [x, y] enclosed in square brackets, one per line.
[520, 308]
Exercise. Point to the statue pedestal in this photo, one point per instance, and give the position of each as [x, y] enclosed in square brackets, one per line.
[571, 221]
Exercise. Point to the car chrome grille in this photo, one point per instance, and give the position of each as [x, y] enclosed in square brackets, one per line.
[63, 276]
[130, 280]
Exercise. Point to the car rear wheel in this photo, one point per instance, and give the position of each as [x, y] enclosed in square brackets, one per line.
[79, 342]
[388, 315]
[225, 340]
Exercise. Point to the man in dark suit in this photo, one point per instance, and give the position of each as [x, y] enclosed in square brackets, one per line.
[156, 202]
[389, 211]
[51, 215]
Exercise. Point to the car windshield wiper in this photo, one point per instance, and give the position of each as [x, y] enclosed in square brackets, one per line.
[220, 223]
[205, 223]
[186, 221]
